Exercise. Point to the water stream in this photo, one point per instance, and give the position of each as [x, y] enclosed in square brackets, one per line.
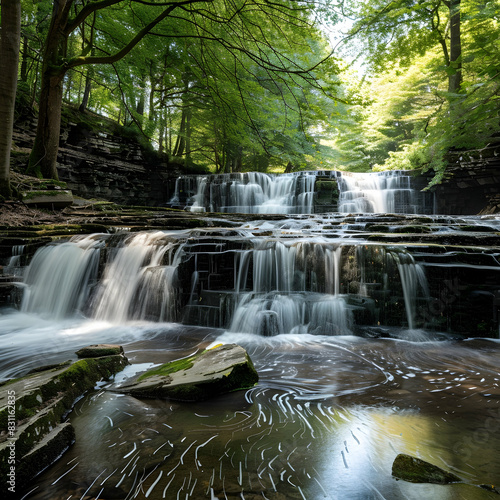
[360, 328]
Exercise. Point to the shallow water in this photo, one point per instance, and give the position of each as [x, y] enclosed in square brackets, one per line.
[326, 420]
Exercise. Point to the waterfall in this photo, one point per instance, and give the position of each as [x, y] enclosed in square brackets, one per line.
[412, 280]
[230, 278]
[249, 192]
[281, 300]
[294, 193]
[275, 314]
[136, 284]
[14, 264]
[58, 277]
[380, 192]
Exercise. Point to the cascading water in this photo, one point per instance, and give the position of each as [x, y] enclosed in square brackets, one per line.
[137, 281]
[328, 409]
[264, 286]
[413, 280]
[250, 192]
[381, 192]
[136, 284]
[259, 193]
[59, 277]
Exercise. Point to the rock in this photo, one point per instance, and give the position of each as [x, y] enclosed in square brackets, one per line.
[414, 470]
[98, 350]
[51, 199]
[212, 372]
[32, 409]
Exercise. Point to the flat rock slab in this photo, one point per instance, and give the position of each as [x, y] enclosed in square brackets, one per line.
[98, 350]
[212, 372]
[52, 199]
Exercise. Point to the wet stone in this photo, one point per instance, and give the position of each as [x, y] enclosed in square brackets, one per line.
[212, 372]
[414, 470]
[98, 350]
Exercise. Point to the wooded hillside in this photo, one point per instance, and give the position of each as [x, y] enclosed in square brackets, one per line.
[232, 85]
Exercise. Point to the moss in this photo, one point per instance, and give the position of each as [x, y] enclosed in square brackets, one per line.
[29, 195]
[171, 367]
[414, 470]
[75, 380]
[238, 376]
[100, 350]
[55, 230]
[42, 456]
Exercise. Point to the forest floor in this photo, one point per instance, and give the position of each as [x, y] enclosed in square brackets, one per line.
[16, 214]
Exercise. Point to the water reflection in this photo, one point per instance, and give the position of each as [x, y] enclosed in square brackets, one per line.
[326, 420]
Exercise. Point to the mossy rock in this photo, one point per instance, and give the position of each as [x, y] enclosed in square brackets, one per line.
[99, 350]
[36, 404]
[415, 470]
[212, 372]
[52, 199]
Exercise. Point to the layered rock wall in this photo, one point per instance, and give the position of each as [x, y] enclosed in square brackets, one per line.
[472, 185]
[105, 165]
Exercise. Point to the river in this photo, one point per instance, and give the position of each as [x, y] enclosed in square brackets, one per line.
[358, 330]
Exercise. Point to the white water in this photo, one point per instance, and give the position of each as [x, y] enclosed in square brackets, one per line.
[59, 276]
[253, 193]
[413, 281]
[275, 314]
[256, 192]
[380, 192]
[277, 285]
[136, 280]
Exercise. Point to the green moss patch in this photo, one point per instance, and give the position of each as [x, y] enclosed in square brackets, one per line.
[171, 367]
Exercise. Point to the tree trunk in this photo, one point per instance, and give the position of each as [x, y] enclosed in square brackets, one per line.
[43, 157]
[455, 77]
[9, 60]
[180, 143]
[86, 92]
[188, 136]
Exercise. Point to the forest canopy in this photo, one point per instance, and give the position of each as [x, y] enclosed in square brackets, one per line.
[232, 85]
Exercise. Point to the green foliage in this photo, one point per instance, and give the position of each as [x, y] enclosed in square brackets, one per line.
[408, 119]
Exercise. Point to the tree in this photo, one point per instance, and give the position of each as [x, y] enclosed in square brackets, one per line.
[433, 81]
[9, 58]
[403, 29]
[242, 28]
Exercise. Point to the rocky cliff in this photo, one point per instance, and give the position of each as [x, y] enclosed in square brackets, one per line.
[105, 163]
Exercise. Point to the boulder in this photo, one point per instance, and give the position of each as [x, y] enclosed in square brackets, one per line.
[414, 470]
[98, 350]
[222, 369]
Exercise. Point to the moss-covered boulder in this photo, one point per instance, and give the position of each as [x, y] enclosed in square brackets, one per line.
[32, 409]
[212, 372]
[415, 470]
